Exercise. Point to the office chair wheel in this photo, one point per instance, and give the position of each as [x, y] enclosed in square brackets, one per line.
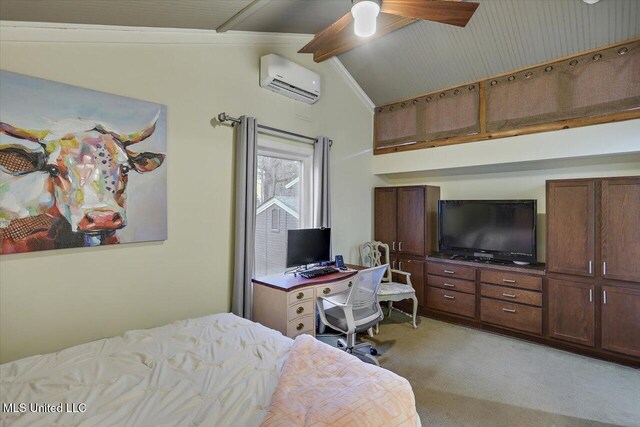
[373, 352]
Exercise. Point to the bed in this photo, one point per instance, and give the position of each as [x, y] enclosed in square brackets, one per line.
[218, 370]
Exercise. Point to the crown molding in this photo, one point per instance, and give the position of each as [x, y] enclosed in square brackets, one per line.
[353, 84]
[45, 32]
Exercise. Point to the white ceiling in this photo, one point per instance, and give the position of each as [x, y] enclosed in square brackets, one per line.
[423, 57]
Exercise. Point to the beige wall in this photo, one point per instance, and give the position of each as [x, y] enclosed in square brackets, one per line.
[524, 181]
[55, 299]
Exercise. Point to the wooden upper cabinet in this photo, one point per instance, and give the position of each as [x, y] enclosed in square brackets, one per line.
[411, 220]
[385, 216]
[621, 320]
[571, 227]
[571, 310]
[620, 229]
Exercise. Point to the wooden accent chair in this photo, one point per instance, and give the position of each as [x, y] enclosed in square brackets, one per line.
[373, 254]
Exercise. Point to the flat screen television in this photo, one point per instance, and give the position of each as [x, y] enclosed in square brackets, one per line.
[308, 246]
[490, 229]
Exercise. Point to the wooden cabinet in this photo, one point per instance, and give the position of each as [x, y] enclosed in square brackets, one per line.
[416, 267]
[621, 319]
[406, 218]
[572, 311]
[571, 227]
[451, 289]
[620, 229]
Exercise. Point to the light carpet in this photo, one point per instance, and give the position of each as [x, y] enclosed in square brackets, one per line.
[465, 377]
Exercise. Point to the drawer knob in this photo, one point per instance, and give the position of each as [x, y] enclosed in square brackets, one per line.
[350, 284]
[449, 296]
[448, 285]
[326, 291]
[449, 271]
[508, 281]
[300, 310]
[509, 310]
[508, 295]
[300, 295]
[300, 326]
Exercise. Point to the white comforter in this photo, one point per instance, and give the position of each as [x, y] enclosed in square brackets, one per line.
[217, 370]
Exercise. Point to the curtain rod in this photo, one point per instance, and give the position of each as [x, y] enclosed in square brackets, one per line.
[224, 117]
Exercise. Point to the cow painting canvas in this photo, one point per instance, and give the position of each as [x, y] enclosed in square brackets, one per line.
[78, 167]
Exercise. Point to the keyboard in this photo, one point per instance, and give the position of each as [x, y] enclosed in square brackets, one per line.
[310, 274]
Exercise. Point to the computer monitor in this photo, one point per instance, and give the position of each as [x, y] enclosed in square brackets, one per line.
[308, 246]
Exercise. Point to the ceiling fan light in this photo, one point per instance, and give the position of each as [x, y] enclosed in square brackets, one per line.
[364, 14]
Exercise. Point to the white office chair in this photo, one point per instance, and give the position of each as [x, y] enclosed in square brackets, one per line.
[354, 310]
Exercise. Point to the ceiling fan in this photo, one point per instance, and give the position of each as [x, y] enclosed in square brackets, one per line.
[370, 19]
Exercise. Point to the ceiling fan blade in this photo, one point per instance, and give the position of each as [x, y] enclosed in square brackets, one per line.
[340, 37]
[456, 13]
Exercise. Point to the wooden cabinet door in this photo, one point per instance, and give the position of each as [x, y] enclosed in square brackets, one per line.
[620, 229]
[411, 220]
[571, 311]
[416, 268]
[571, 227]
[621, 320]
[385, 216]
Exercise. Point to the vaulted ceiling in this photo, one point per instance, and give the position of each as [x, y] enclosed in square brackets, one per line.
[422, 57]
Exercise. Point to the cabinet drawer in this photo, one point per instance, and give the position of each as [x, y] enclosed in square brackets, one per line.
[451, 301]
[450, 270]
[450, 283]
[300, 295]
[333, 288]
[512, 316]
[511, 294]
[299, 326]
[513, 280]
[301, 309]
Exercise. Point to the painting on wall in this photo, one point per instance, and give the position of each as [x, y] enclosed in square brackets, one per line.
[78, 167]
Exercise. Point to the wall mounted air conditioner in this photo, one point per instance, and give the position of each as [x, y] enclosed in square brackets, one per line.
[289, 79]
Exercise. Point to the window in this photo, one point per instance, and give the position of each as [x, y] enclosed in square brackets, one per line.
[283, 199]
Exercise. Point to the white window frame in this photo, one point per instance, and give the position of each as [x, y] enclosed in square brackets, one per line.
[269, 145]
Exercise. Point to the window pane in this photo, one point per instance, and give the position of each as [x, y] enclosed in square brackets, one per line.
[278, 210]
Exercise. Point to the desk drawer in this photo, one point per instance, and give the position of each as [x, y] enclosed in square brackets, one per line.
[300, 295]
[304, 308]
[453, 284]
[513, 280]
[451, 270]
[302, 325]
[511, 294]
[333, 288]
[451, 301]
[512, 316]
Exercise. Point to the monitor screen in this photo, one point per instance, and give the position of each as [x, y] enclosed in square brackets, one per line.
[504, 228]
[308, 246]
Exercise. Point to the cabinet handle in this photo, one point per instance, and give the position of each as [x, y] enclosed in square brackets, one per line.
[300, 310]
[590, 295]
[604, 268]
[448, 285]
[449, 296]
[394, 265]
[400, 246]
[449, 272]
[400, 265]
[394, 246]
[300, 295]
[590, 267]
[509, 295]
[509, 310]
[508, 281]
[326, 291]
[604, 297]
[300, 326]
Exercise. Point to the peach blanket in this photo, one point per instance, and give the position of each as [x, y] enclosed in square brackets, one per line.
[321, 385]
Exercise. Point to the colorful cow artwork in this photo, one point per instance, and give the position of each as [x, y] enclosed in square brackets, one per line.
[65, 185]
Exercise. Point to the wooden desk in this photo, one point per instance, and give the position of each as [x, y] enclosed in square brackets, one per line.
[287, 303]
